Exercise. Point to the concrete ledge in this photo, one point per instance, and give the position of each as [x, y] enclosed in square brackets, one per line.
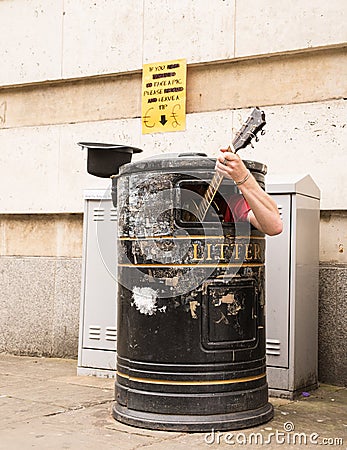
[57, 235]
[306, 76]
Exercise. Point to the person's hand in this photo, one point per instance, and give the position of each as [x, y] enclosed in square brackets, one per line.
[230, 165]
[264, 213]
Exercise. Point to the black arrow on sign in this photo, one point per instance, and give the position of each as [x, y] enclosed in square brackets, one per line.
[163, 120]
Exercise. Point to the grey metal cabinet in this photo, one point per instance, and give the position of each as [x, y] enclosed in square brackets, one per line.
[98, 313]
[292, 263]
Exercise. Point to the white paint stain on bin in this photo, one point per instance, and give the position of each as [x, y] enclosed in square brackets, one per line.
[145, 300]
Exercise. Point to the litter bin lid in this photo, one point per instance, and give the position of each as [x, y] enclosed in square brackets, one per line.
[188, 160]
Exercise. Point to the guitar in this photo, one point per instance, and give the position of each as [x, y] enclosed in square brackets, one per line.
[244, 137]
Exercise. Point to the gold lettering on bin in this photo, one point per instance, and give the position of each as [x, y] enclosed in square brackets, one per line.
[208, 252]
[221, 254]
[249, 252]
[195, 253]
[256, 250]
[237, 252]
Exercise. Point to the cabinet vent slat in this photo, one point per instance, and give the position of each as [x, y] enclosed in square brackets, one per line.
[273, 347]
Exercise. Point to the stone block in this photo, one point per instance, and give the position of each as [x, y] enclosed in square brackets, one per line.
[306, 139]
[332, 348]
[39, 305]
[102, 37]
[41, 235]
[29, 164]
[66, 307]
[196, 30]
[26, 305]
[265, 26]
[31, 43]
[333, 245]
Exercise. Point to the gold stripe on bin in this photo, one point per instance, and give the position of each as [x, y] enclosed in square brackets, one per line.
[198, 382]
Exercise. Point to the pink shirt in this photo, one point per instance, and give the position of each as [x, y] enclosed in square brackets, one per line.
[237, 210]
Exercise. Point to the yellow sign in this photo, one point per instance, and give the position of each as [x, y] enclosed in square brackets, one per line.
[164, 96]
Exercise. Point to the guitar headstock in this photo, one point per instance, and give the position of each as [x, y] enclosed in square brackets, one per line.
[249, 130]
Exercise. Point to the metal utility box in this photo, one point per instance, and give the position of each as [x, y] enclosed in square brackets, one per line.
[292, 264]
[98, 312]
[291, 279]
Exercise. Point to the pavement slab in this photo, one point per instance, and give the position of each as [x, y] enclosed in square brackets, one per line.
[45, 405]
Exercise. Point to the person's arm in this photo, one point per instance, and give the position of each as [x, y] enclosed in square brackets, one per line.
[264, 213]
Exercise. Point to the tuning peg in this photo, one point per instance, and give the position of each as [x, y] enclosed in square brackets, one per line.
[234, 131]
[263, 132]
[253, 136]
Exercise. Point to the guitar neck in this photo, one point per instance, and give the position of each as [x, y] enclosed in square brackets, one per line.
[210, 193]
[209, 196]
[248, 131]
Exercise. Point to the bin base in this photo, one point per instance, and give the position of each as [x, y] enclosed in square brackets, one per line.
[187, 423]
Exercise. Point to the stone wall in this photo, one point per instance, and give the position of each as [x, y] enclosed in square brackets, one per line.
[40, 292]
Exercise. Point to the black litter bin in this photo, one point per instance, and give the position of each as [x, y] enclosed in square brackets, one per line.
[191, 323]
